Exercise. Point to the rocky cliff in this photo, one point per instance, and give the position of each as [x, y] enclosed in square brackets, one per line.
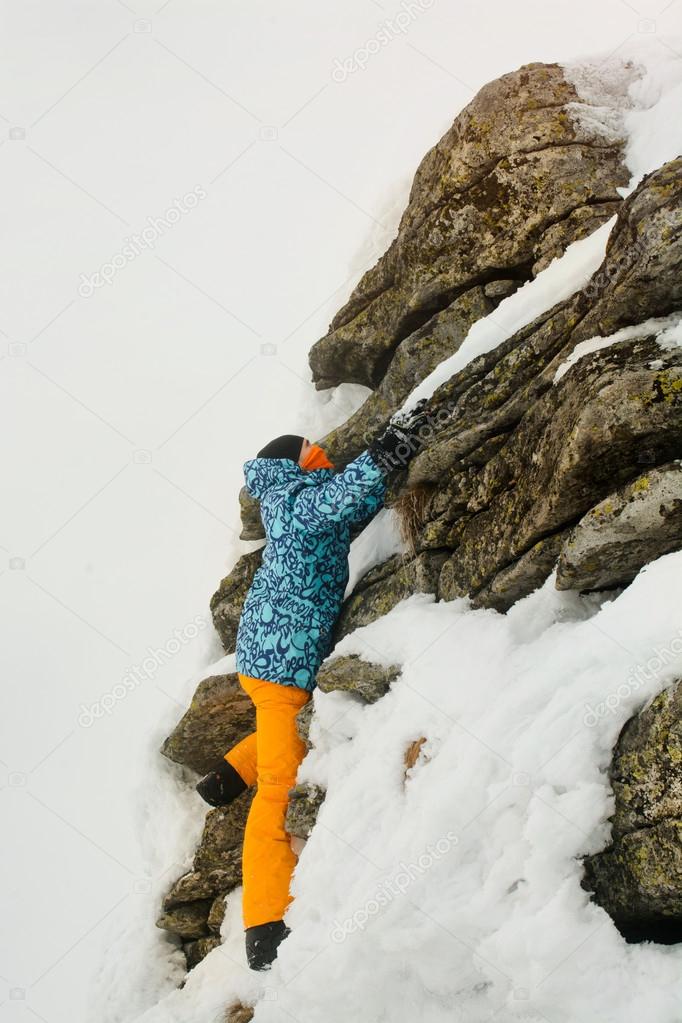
[552, 451]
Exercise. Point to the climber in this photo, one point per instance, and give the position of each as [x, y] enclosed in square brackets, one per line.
[285, 632]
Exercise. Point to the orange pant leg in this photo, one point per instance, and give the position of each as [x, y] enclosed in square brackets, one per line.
[268, 860]
[243, 759]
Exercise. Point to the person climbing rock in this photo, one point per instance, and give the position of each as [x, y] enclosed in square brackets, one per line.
[284, 634]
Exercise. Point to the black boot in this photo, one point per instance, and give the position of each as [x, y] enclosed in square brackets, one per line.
[221, 785]
[262, 942]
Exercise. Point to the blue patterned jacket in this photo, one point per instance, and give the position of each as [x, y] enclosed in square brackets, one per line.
[286, 623]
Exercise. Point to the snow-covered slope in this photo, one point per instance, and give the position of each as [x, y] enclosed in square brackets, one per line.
[454, 893]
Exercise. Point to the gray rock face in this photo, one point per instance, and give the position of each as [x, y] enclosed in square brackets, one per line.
[579, 439]
[353, 675]
[637, 280]
[583, 220]
[517, 461]
[646, 771]
[219, 716]
[194, 907]
[221, 842]
[631, 527]
[513, 181]
[227, 601]
[387, 584]
[523, 576]
[638, 878]
[413, 360]
[639, 883]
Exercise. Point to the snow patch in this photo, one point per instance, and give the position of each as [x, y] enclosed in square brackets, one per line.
[667, 330]
[642, 83]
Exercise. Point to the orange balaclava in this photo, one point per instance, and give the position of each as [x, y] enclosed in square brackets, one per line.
[316, 459]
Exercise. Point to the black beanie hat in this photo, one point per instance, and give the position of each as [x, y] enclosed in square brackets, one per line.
[286, 446]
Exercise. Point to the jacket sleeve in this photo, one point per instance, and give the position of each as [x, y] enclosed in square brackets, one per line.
[349, 496]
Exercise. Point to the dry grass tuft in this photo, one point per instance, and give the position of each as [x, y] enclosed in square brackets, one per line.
[410, 508]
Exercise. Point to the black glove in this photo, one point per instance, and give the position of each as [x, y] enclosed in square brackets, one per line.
[401, 440]
[413, 419]
[221, 785]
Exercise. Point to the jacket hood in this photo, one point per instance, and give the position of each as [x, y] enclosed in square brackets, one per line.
[263, 474]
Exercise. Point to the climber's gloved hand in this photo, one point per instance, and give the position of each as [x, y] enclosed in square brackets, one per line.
[401, 441]
[414, 419]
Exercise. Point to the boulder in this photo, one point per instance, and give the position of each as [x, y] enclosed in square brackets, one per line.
[219, 716]
[195, 885]
[638, 878]
[228, 600]
[631, 527]
[638, 881]
[498, 195]
[351, 674]
[646, 770]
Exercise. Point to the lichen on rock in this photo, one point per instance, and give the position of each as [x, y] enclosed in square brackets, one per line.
[516, 166]
[219, 716]
[638, 878]
[226, 603]
[631, 527]
[352, 674]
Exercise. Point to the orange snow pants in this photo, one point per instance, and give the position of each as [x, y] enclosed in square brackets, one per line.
[270, 758]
